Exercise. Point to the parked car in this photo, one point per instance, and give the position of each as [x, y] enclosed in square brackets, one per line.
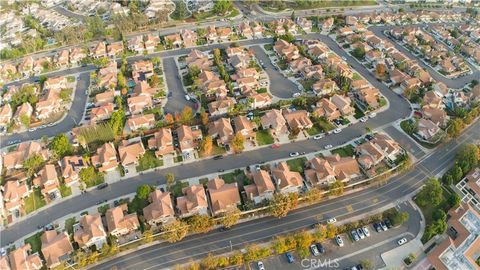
[384, 226]
[314, 250]
[102, 186]
[331, 220]
[294, 154]
[360, 233]
[372, 115]
[275, 146]
[318, 136]
[187, 97]
[402, 241]
[328, 146]
[366, 231]
[295, 95]
[339, 240]
[260, 266]
[364, 119]
[220, 170]
[337, 130]
[388, 223]
[377, 227]
[320, 248]
[217, 157]
[290, 258]
[355, 235]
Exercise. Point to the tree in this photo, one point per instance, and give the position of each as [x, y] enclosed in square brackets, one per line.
[236, 258]
[454, 200]
[32, 164]
[455, 127]
[210, 262]
[279, 205]
[206, 146]
[468, 157]
[144, 191]
[254, 252]
[430, 194]
[147, 236]
[237, 143]
[117, 121]
[181, 11]
[396, 217]
[439, 214]
[187, 115]
[359, 52]
[61, 146]
[367, 264]
[331, 230]
[380, 69]
[174, 231]
[304, 239]
[25, 120]
[320, 233]
[313, 195]
[204, 118]
[222, 6]
[170, 180]
[201, 223]
[292, 16]
[336, 188]
[169, 118]
[230, 217]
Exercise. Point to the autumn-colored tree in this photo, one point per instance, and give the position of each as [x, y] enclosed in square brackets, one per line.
[200, 223]
[147, 236]
[380, 69]
[331, 231]
[313, 195]
[238, 143]
[204, 118]
[230, 217]
[336, 188]
[292, 200]
[174, 231]
[170, 180]
[279, 205]
[178, 117]
[187, 115]
[206, 146]
[169, 118]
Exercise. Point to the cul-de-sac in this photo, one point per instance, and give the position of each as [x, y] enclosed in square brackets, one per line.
[239, 134]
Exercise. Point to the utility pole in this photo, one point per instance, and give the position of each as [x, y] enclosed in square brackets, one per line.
[231, 247]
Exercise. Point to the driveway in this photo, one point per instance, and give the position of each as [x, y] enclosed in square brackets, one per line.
[279, 85]
[176, 95]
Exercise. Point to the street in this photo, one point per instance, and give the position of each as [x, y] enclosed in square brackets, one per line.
[176, 95]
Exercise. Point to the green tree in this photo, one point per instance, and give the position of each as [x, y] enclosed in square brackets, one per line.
[143, 191]
[95, 26]
[222, 6]
[181, 11]
[359, 52]
[200, 223]
[430, 194]
[174, 231]
[230, 217]
[367, 264]
[170, 180]
[331, 231]
[147, 236]
[117, 121]
[61, 146]
[468, 157]
[25, 120]
[33, 164]
[455, 127]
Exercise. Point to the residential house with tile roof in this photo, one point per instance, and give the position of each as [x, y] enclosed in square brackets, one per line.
[162, 142]
[222, 196]
[115, 48]
[262, 187]
[106, 158]
[119, 223]
[103, 112]
[71, 166]
[56, 248]
[160, 210]
[244, 127]
[14, 193]
[22, 258]
[5, 115]
[188, 138]
[15, 158]
[287, 181]
[90, 232]
[47, 179]
[298, 119]
[130, 152]
[189, 38]
[221, 130]
[137, 104]
[24, 110]
[274, 121]
[193, 201]
[150, 42]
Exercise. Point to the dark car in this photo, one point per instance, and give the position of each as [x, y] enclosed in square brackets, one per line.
[223, 229]
[217, 157]
[377, 227]
[221, 170]
[290, 258]
[320, 248]
[388, 223]
[102, 186]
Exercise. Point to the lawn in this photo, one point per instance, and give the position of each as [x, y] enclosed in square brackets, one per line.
[356, 76]
[69, 224]
[346, 151]
[358, 113]
[314, 130]
[35, 242]
[178, 159]
[235, 176]
[382, 102]
[264, 137]
[217, 150]
[268, 47]
[177, 188]
[34, 201]
[148, 161]
[297, 164]
[325, 125]
[65, 191]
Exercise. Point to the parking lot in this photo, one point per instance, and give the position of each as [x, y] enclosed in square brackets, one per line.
[369, 248]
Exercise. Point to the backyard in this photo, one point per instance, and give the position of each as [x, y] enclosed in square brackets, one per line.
[34, 201]
[35, 242]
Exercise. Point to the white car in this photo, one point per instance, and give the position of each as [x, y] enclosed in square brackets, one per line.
[366, 231]
[187, 97]
[339, 240]
[363, 119]
[294, 154]
[337, 130]
[331, 220]
[372, 115]
[295, 95]
[402, 241]
[314, 250]
[328, 146]
[260, 266]
[344, 58]
[318, 136]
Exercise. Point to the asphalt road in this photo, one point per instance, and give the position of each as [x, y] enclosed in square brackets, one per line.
[456, 83]
[194, 247]
[176, 102]
[73, 117]
[405, 141]
[279, 85]
[67, 13]
[353, 252]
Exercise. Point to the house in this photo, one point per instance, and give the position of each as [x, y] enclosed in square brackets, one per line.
[321, 172]
[115, 48]
[55, 83]
[140, 122]
[441, 89]
[368, 96]
[137, 104]
[325, 108]
[324, 87]
[6, 115]
[257, 29]
[24, 110]
[298, 119]
[162, 142]
[345, 168]
[151, 42]
[390, 148]
[437, 116]
[286, 50]
[143, 88]
[15, 158]
[274, 121]
[426, 129]
[409, 84]
[76, 55]
[71, 166]
[173, 41]
[299, 64]
[14, 193]
[62, 59]
[222, 196]
[160, 209]
[327, 25]
[48, 105]
[119, 223]
[211, 35]
[305, 24]
[198, 59]
[397, 76]
[447, 66]
[188, 138]
[106, 158]
[221, 130]
[130, 152]
[244, 127]
[189, 38]
[287, 181]
[90, 232]
[315, 72]
[369, 155]
[248, 73]
[260, 100]
[100, 50]
[105, 98]
[245, 30]
[221, 106]
[142, 70]
[224, 33]
[135, 44]
[26, 66]
[343, 103]
[22, 258]
[262, 188]
[431, 100]
[56, 248]
[102, 112]
[193, 201]
[48, 180]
